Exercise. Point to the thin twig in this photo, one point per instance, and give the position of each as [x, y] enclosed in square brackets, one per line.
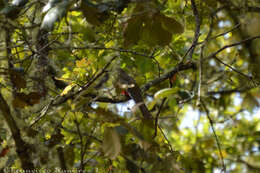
[200, 76]
[69, 96]
[235, 70]
[231, 45]
[215, 135]
[82, 148]
[221, 34]
[157, 117]
[201, 59]
[165, 137]
[43, 112]
[224, 33]
[103, 48]
[197, 28]
[178, 68]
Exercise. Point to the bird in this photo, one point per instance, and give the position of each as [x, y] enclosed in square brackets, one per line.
[127, 83]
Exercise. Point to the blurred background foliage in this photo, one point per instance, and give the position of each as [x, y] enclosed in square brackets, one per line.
[196, 62]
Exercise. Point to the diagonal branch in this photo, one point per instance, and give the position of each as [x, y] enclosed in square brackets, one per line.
[215, 135]
[235, 70]
[63, 99]
[147, 86]
[178, 68]
[231, 45]
[22, 148]
[197, 28]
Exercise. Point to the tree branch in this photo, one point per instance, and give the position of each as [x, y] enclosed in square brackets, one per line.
[178, 68]
[22, 148]
[232, 45]
[197, 28]
[215, 135]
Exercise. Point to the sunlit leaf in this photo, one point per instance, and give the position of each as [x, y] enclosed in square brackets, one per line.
[165, 93]
[82, 63]
[67, 89]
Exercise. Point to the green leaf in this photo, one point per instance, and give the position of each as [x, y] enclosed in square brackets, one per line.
[55, 14]
[145, 64]
[111, 143]
[132, 31]
[147, 131]
[170, 24]
[89, 34]
[94, 15]
[172, 102]
[166, 92]
[153, 34]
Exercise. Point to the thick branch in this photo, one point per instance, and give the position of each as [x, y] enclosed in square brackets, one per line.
[42, 47]
[147, 86]
[61, 158]
[63, 99]
[178, 68]
[22, 149]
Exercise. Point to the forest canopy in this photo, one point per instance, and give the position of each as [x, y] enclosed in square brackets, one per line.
[138, 86]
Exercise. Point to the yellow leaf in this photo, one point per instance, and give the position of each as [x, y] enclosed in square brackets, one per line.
[224, 154]
[82, 63]
[67, 89]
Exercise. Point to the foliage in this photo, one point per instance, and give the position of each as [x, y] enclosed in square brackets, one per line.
[109, 85]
